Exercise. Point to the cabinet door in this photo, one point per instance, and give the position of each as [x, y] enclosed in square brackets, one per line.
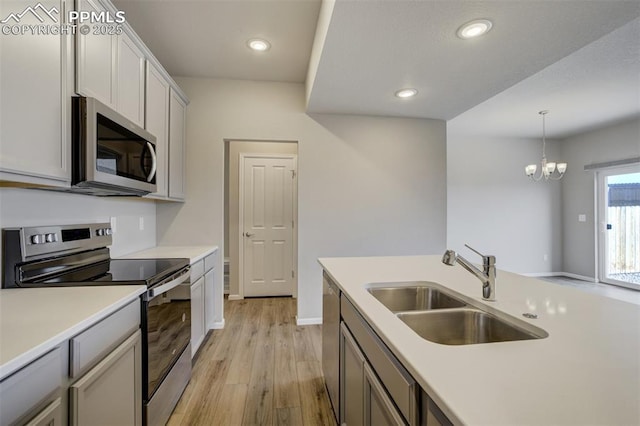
[157, 123]
[35, 386]
[96, 57]
[378, 407]
[197, 315]
[111, 392]
[431, 413]
[177, 123]
[50, 416]
[130, 78]
[34, 101]
[351, 380]
[209, 299]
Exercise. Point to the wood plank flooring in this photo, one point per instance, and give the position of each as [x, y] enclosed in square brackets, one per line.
[261, 369]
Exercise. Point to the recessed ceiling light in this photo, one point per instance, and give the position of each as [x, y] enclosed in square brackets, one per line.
[258, 44]
[475, 28]
[406, 93]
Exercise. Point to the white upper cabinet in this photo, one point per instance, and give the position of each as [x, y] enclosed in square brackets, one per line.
[39, 74]
[177, 121]
[157, 123]
[110, 66]
[130, 80]
[34, 101]
[96, 58]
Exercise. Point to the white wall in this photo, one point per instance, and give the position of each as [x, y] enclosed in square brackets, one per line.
[367, 185]
[495, 208]
[25, 207]
[617, 142]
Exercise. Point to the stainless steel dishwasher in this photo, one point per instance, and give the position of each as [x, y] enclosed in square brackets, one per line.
[331, 340]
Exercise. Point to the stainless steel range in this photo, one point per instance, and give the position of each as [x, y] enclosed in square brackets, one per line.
[78, 255]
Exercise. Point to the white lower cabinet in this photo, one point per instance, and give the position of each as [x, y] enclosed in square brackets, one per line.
[50, 416]
[203, 300]
[197, 315]
[209, 298]
[111, 392]
[27, 394]
[94, 378]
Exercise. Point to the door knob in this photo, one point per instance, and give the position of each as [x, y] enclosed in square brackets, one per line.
[248, 234]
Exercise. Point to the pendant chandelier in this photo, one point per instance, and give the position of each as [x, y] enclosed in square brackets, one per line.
[548, 168]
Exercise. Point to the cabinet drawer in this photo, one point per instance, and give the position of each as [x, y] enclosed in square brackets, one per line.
[396, 379]
[197, 270]
[90, 346]
[210, 262]
[31, 389]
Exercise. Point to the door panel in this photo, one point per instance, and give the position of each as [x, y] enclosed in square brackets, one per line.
[619, 228]
[267, 226]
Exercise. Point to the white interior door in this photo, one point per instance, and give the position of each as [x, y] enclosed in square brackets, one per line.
[619, 226]
[267, 222]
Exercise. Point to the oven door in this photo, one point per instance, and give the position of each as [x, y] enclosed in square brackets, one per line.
[168, 329]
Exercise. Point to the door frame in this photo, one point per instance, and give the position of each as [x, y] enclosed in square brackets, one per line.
[601, 216]
[294, 200]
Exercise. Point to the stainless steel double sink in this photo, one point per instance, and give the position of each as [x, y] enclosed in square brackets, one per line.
[441, 316]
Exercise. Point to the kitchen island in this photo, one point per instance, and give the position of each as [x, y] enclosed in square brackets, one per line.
[586, 371]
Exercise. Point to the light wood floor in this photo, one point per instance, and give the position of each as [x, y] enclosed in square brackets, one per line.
[261, 369]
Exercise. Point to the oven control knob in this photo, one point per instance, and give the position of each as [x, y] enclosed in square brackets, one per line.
[37, 239]
[100, 232]
[51, 238]
[108, 231]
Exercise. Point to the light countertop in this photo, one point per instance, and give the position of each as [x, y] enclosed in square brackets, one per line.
[193, 253]
[35, 320]
[587, 371]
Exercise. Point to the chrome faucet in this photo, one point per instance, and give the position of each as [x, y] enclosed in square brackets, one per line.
[487, 275]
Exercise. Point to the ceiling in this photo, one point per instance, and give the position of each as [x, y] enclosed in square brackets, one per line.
[208, 38]
[595, 86]
[532, 58]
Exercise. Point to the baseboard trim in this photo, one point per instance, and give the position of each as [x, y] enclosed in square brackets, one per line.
[579, 277]
[235, 297]
[308, 321]
[561, 274]
[218, 325]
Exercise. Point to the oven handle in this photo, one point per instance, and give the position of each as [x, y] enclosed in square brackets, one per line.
[168, 286]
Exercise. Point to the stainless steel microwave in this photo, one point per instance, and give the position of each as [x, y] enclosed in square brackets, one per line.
[111, 156]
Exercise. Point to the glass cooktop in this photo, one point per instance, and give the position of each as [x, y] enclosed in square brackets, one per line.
[121, 271]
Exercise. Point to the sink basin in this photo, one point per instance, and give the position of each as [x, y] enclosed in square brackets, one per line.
[465, 326]
[414, 298]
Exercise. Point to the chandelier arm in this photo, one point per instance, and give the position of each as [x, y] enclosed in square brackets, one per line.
[556, 178]
[537, 179]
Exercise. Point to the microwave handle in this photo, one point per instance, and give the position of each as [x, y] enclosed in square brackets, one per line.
[154, 165]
